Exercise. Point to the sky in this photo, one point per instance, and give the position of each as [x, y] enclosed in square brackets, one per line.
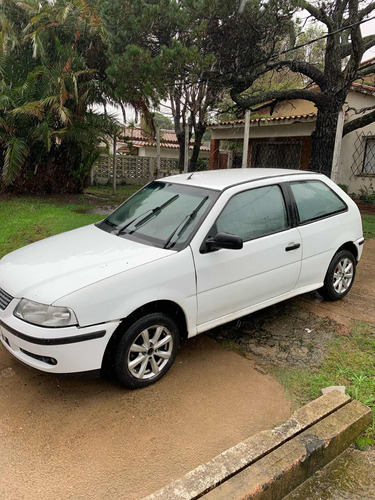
[367, 28]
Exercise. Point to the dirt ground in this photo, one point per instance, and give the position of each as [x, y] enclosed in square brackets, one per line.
[296, 332]
[82, 439]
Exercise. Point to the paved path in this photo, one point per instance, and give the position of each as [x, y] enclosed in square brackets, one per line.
[78, 439]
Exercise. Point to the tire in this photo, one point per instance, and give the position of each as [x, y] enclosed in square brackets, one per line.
[137, 362]
[340, 276]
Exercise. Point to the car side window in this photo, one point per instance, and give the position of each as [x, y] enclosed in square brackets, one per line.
[254, 213]
[315, 199]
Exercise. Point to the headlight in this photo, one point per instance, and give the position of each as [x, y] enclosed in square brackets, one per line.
[43, 315]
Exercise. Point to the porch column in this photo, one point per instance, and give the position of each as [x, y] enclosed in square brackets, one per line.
[214, 154]
[245, 150]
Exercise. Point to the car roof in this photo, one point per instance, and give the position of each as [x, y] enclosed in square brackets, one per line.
[222, 179]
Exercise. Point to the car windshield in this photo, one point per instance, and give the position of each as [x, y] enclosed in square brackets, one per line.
[162, 214]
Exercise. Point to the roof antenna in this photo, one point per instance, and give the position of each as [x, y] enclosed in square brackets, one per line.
[193, 172]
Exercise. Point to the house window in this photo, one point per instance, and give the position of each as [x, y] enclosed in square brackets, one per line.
[369, 158]
[276, 155]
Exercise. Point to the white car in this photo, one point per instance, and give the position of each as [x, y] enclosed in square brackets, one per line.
[183, 255]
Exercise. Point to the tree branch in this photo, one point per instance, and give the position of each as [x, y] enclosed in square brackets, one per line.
[248, 102]
[368, 70]
[299, 66]
[357, 51]
[319, 14]
[362, 110]
[359, 123]
[366, 11]
[368, 42]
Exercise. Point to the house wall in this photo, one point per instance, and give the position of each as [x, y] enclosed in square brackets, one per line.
[353, 147]
[167, 152]
[264, 129]
[293, 107]
[229, 137]
[164, 152]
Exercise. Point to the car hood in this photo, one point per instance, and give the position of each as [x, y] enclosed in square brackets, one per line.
[52, 268]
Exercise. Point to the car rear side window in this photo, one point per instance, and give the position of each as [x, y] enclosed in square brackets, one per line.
[315, 200]
[254, 213]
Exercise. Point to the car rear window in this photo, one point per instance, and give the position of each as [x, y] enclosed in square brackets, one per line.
[315, 200]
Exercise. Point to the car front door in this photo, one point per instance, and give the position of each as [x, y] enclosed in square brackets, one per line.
[231, 283]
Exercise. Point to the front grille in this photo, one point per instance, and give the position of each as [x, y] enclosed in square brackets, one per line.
[5, 299]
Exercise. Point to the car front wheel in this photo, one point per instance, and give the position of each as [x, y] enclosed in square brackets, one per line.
[340, 276]
[146, 350]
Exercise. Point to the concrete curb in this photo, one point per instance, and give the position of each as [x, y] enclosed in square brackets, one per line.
[274, 462]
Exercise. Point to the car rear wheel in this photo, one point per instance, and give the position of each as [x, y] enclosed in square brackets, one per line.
[146, 350]
[340, 276]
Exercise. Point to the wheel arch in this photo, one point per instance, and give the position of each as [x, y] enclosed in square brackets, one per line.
[168, 307]
[350, 246]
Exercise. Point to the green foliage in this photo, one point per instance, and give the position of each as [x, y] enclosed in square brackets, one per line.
[344, 187]
[313, 53]
[368, 226]
[163, 121]
[350, 361]
[49, 80]
[363, 443]
[188, 52]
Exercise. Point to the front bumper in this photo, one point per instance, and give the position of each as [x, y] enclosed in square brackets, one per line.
[55, 350]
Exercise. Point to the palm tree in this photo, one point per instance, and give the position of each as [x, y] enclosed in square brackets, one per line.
[49, 134]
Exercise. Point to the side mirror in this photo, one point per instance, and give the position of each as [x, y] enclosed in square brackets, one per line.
[224, 240]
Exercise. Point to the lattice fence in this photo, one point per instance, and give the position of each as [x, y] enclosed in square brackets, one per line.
[132, 169]
[364, 155]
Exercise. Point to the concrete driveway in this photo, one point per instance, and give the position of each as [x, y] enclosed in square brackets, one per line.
[82, 439]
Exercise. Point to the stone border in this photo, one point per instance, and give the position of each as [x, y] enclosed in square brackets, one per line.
[270, 462]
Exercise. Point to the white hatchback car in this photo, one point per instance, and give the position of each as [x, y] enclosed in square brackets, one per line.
[183, 255]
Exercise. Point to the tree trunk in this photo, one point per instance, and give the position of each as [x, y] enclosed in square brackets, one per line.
[181, 141]
[200, 129]
[323, 140]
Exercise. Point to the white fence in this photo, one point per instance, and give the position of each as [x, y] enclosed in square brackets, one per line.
[132, 169]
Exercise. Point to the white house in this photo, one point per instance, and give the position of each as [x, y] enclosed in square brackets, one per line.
[284, 140]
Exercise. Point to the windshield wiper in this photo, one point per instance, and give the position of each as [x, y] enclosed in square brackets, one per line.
[145, 218]
[185, 222]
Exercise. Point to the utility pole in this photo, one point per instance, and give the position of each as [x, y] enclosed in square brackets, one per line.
[246, 139]
[114, 165]
[186, 151]
[337, 149]
[157, 150]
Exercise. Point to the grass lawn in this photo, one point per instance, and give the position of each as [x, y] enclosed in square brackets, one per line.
[24, 220]
[350, 361]
[368, 226]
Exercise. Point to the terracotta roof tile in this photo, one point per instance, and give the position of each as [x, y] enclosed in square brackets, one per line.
[308, 116]
[139, 138]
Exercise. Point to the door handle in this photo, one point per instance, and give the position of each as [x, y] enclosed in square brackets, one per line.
[292, 246]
